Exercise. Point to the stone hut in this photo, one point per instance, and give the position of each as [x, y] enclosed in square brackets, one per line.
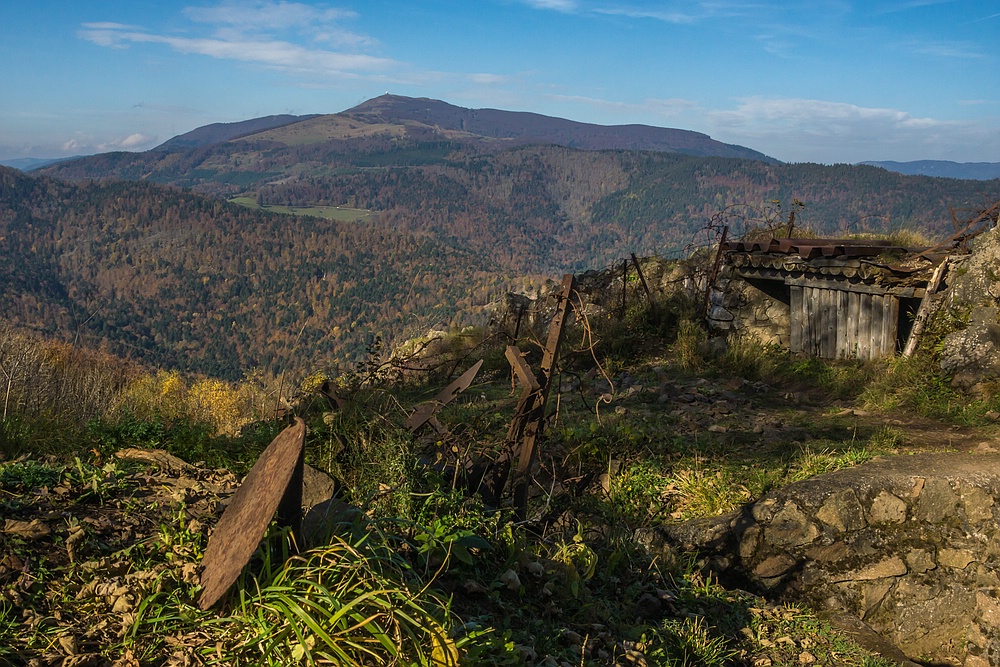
[830, 298]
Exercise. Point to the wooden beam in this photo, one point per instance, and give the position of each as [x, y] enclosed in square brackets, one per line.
[858, 288]
[925, 310]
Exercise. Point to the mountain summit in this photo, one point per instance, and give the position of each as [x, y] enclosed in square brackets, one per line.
[531, 128]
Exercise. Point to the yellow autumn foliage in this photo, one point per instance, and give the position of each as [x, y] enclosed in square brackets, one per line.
[167, 395]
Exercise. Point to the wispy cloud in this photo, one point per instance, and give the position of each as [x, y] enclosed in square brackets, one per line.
[847, 132]
[557, 5]
[896, 7]
[274, 53]
[678, 12]
[944, 49]
[660, 108]
[659, 15]
[816, 114]
[274, 15]
[85, 145]
[319, 24]
[287, 36]
[296, 38]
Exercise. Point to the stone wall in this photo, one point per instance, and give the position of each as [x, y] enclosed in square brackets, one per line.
[737, 306]
[909, 544]
[601, 292]
[971, 351]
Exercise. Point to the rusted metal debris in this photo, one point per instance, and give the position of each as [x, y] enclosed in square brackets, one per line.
[521, 369]
[526, 426]
[645, 286]
[426, 411]
[972, 227]
[815, 248]
[273, 484]
[528, 421]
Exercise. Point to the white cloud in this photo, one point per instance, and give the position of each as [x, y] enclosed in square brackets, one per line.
[945, 49]
[660, 108]
[132, 142]
[485, 79]
[70, 146]
[278, 54]
[273, 15]
[809, 130]
[666, 16]
[557, 5]
[136, 140]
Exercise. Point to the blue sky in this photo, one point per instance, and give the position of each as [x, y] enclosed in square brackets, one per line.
[826, 81]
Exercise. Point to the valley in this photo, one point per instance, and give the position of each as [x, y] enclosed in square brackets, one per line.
[140, 252]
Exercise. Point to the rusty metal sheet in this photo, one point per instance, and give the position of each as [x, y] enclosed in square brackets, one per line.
[814, 248]
[535, 417]
[521, 368]
[250, 510]
[425, 411]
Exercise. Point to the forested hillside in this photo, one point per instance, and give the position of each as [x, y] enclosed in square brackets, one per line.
[184, 281]
[143, 253]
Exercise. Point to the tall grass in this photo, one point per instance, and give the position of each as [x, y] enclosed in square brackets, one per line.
[50, 390]
[345, 604]
[917, 384]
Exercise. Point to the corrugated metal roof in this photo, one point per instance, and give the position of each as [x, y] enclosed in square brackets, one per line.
[815, 248]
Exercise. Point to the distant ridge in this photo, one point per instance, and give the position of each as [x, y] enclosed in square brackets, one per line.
[979, 171]
[219, 132]
[531, 128]
[29, 163]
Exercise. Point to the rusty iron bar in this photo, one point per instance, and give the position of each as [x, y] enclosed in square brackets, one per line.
[521, 368]
[274, 484]
[535, 416]
[642, 279]
[423, 412]
[624, 285]
[715, 269]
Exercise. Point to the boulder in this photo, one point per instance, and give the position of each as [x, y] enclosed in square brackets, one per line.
[971, 352]
[907, 545]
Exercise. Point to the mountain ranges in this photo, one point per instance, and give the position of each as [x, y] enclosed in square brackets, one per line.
[143, 253]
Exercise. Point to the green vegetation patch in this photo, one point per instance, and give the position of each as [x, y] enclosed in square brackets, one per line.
[339, 213]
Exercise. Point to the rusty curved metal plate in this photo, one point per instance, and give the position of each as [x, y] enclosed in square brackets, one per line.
[423, 412]
[250, 510]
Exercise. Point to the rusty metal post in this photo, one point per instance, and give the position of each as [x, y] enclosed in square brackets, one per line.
[642, 279]
[715, 269]
[624, 285]
[535, 417]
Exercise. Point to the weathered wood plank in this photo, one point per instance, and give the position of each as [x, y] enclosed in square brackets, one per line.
[875, 327]
[843, 350]
[890, 324]
[847, 286]
[832, 321]
[795, 319]
[853, 317]
[864, 326]
[808, 337]
[925, 310]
